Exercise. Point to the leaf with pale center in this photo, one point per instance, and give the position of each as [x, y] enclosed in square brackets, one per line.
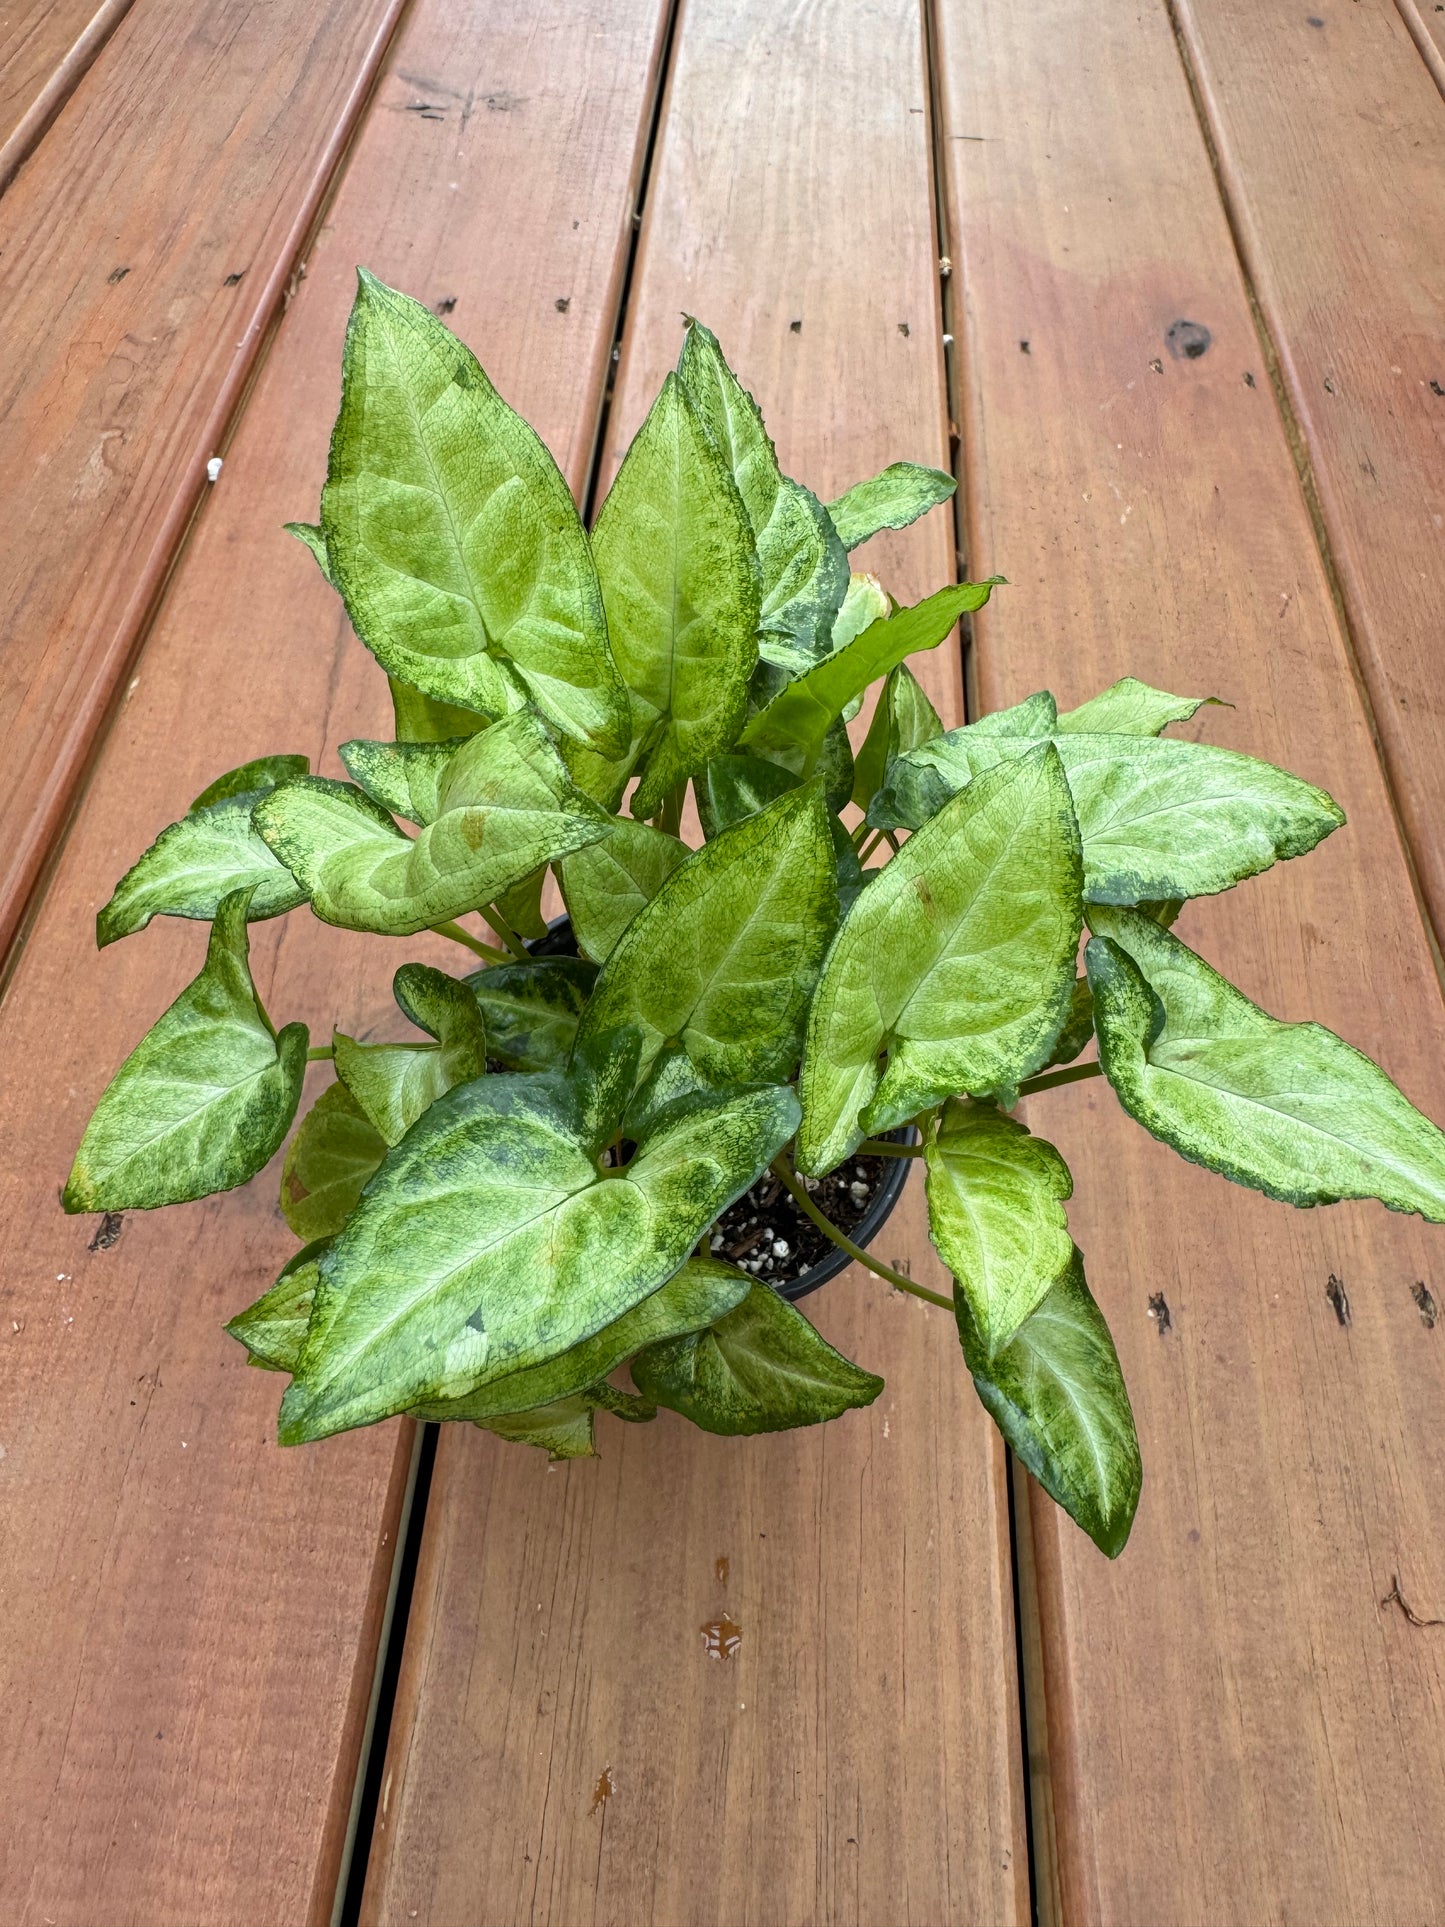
[1288, 1109]
[331, 1157]
[210, 852]
[799, 716]
[1159, 818]
[803, 565]
[891, 500]
[452, 536]
[1057, 1395]
[996, 1199]
[607, 883]
[395, 1083]
[204, 1099]
[679, 577]
[504, 805]
[490, 1242]
[723, 960]
[532, 1009]
[760, 1368]
[957, 960]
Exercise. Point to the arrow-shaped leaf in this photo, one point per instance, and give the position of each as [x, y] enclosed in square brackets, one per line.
[504, 805]
[1057, 1395]
[490, 1241]
[724, 958]
[1288, 1109]
[803, 565]
[679, 577]
[212, 851]
[607, 883]
[760, 1368]
[532, 1009]
[452, 536]
[891, 500]
[204, 1099]
[996, 1199]
[957, 960]
[330, 1159]
[798, 717]
[1130, 708]
[1159, 818]
[395, 1083]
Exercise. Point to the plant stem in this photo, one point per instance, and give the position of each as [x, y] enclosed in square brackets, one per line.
[669, 817]
[875, 1147]
[507, 934]
[320, 1054]
[474, 944]
[799, 1194]
[1072, 1075]
[872, 845]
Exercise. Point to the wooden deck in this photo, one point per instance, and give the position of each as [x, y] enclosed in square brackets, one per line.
[957, 233]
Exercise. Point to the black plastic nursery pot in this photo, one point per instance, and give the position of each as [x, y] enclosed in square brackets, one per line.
[880, 1179]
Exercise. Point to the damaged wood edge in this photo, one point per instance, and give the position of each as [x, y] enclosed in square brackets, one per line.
[36, 121]
[23, 889]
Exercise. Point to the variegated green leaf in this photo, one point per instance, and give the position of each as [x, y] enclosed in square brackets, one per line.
[1130, 708]
[957, 960]
[1159, 818]
[1288, 1109]
[892, 500]
[803, 565]
[273, 1330]
[404, 778]
[1057, 1395]
[798, 718]
[490, 1241]
[531, 1010]
[330, 1158]
[204, 1099]
[395, 1083]
[607, 883]
[564, 1430]
[724, 958]
[679, 577]
[996, 1198]
[504, 805]
[422, 719]
[760, 1368]
[903, 719]
[452, 536]
[210, 852]
[702, 1292]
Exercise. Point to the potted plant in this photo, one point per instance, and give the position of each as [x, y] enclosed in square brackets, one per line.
[577, 1160]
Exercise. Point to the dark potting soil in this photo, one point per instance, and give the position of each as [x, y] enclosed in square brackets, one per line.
[765, 1232]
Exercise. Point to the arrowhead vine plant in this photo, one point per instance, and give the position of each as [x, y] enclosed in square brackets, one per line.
[505, 1208]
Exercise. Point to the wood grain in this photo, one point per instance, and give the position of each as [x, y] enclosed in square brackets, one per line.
[189, 1613]
[144, 256]
[1236, 1729]
[858, 1759]
[1331, 145]
[44, 50]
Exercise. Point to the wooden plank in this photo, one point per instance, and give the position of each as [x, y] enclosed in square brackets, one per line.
[144, 256]
[1331, 145]
[190, 1614]
[858, 1759]
[1236, 1728]
[45, 49]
